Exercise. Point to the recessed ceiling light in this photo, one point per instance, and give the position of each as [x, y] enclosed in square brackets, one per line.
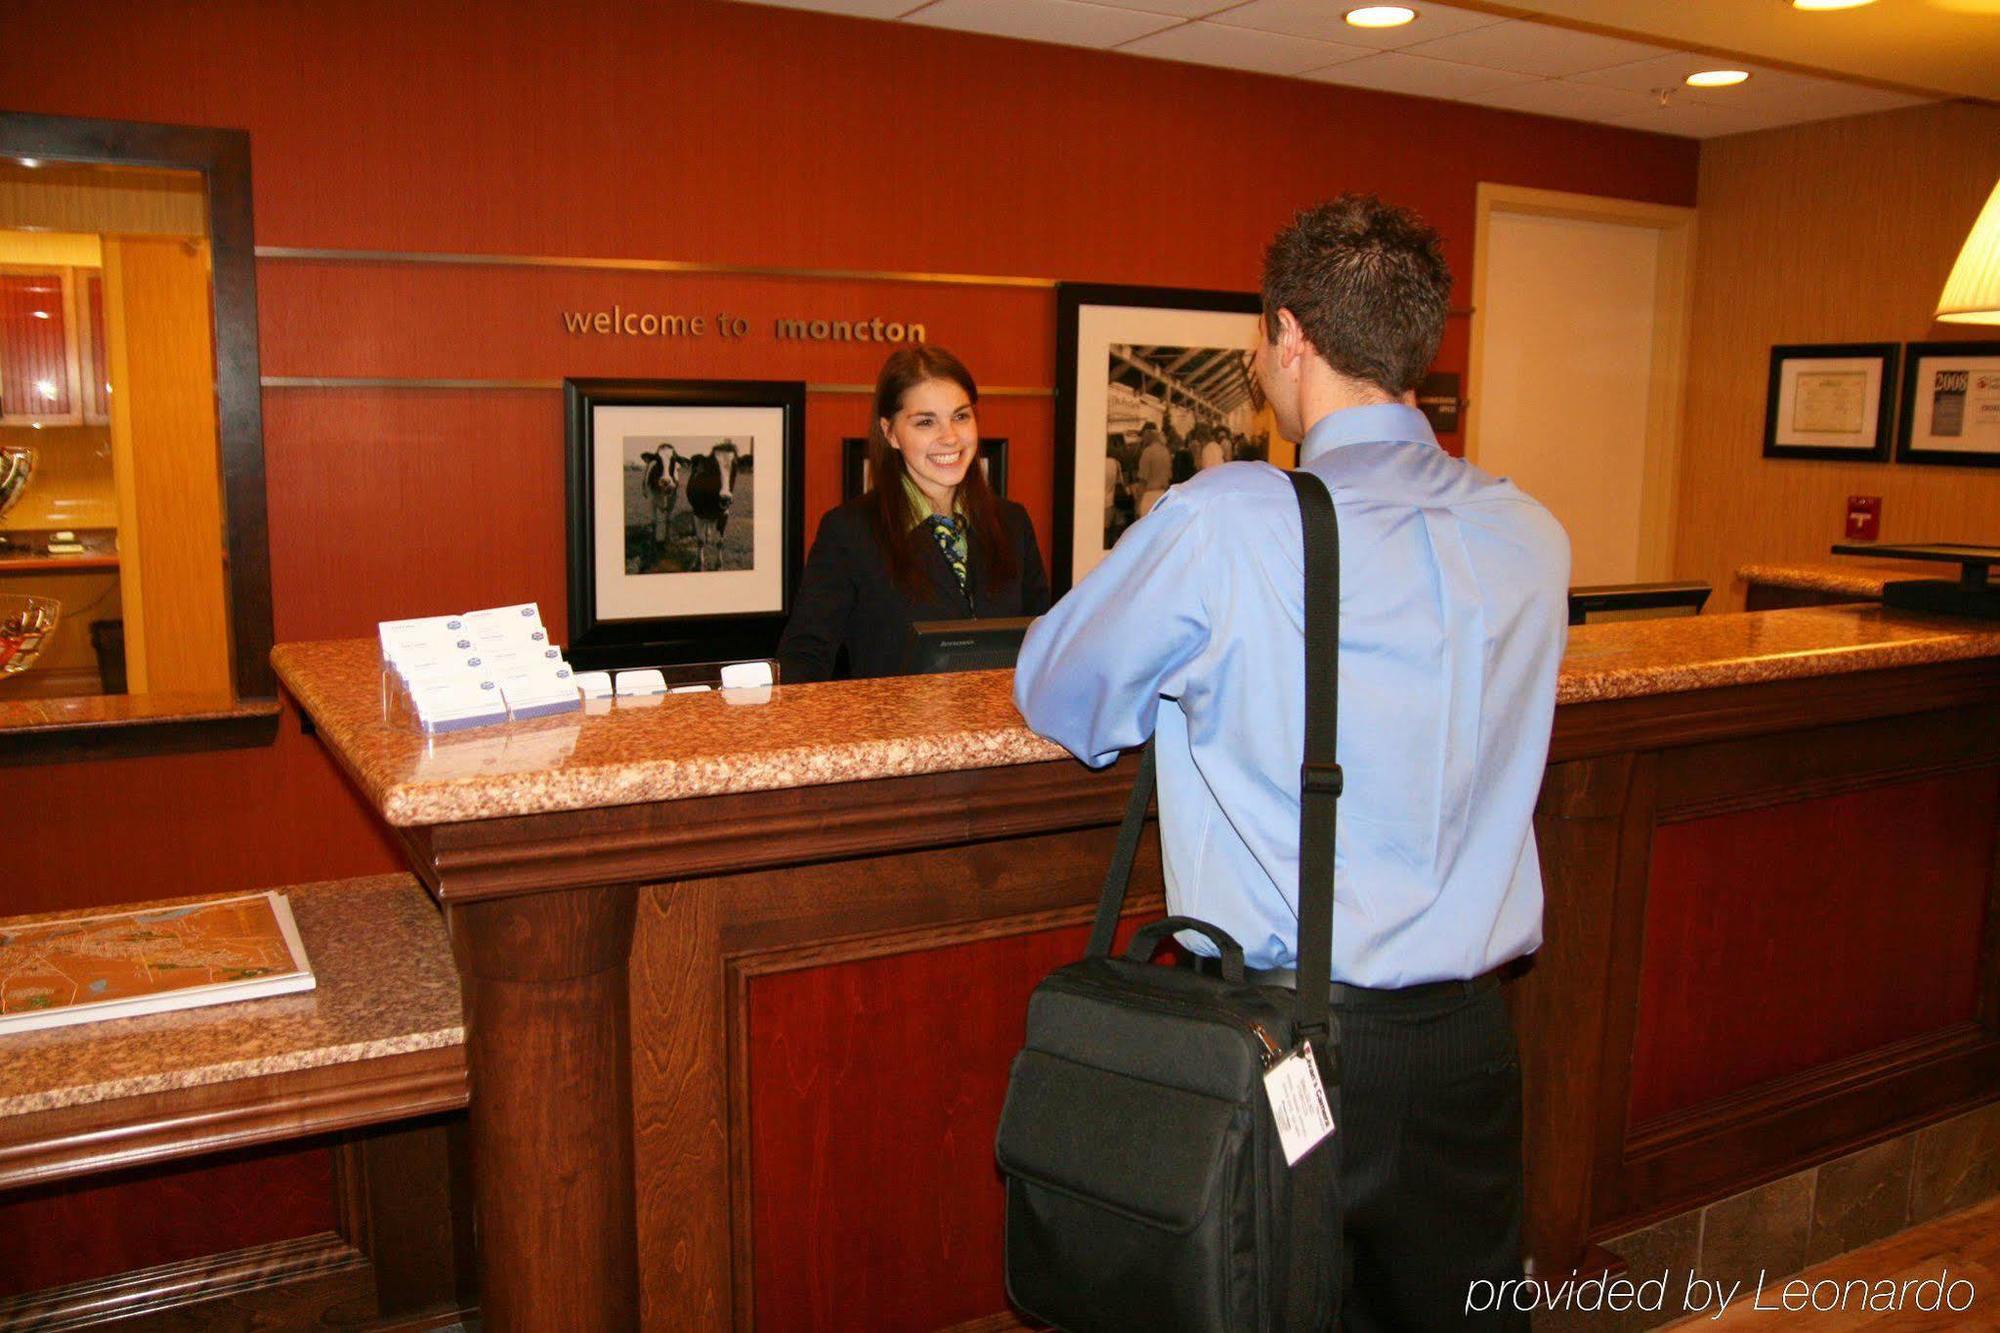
[41, 314]
[1717, 78]
[1381, 16]
[46, 388]
[31, 162]
[1815, 5]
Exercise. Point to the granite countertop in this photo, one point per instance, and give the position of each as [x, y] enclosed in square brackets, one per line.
[386, 986]
[1860, 578]
[674, 747]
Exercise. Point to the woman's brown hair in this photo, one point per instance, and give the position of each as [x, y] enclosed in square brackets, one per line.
[887, 503]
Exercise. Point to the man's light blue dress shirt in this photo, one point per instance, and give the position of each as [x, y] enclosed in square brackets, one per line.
[1453, 616]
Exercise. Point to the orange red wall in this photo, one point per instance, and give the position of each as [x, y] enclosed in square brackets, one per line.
[691, 130]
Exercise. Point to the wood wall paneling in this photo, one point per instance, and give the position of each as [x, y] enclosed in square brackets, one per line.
[72, 1231]
[702, 948]
[1793, 936]
[1570, 1054]
[882, 1079]
[1835, 232]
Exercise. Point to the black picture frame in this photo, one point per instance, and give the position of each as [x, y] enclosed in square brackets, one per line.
[1915, 355]
[854, 465]
[597, 641]
[1782, 442]
[1072, 298]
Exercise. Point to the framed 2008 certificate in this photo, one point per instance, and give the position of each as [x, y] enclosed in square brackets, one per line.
[1951, 405]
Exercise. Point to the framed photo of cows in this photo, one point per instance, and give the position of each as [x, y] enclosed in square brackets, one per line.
[686, 504]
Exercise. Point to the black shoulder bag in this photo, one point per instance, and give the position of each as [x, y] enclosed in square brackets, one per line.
[1147, 1187]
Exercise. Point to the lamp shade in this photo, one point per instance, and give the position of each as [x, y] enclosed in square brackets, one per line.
[1972, 292]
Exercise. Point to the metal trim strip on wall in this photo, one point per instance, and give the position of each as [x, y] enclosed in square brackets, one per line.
[335, 256]
[397, 382]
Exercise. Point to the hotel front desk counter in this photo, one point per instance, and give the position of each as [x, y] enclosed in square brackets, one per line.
[743, 975]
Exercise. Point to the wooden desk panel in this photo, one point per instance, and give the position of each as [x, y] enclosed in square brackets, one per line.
[756, 905]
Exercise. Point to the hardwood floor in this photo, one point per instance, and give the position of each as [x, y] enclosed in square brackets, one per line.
[1965, 1246]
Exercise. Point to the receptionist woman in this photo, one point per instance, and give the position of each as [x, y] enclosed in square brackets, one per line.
[929, 540]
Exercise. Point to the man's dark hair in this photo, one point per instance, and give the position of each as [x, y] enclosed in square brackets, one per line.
[1367, 282]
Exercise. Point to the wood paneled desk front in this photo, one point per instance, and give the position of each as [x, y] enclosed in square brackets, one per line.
[743, 976]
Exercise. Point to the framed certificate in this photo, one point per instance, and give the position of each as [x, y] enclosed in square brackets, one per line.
[1951, 405]
[1831, 401]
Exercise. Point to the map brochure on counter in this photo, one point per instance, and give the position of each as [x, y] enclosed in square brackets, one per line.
[122, 964]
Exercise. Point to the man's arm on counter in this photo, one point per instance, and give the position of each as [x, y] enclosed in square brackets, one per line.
[1092, 671]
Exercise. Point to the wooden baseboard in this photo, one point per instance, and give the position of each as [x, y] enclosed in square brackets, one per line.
[262, 1270]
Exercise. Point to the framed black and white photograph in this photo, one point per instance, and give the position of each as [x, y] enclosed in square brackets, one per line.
[1831, 401]
[686, 518]
[854, 478]
[1951, 404]
[1152, 385]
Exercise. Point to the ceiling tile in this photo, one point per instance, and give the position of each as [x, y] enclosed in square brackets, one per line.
[1534, 48]
[1397, 72]
[1185, 9]
[1788, 97]
[1327, 21]
[1070, 22]
[1692, 120]
[1665, 71]
[867, 9]
[1242, 48]
[1576, 101]
[1800, 97]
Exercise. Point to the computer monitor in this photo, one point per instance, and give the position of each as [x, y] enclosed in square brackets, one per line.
[1635, 601]
[965, 645]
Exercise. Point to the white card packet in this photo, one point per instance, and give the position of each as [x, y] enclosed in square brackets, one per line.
[640, 682]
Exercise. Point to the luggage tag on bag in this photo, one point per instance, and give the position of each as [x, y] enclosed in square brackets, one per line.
[1298, 1102]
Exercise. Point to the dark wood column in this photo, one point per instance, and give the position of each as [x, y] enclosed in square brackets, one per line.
[548, 1044]
[1558, 1007]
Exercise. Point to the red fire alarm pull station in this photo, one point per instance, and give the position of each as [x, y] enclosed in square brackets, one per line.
[1864, 518]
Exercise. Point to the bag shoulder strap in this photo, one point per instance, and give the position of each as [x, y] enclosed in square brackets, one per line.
[1319, 777]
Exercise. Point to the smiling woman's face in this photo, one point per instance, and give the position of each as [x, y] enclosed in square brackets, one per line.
[937, 432]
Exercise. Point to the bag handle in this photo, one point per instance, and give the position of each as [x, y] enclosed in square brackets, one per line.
[1147, 942]
[1320, 783]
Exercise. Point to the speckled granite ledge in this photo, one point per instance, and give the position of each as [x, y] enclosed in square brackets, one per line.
[1857, 578]
[680, 746]
[1634, 658]
[386, 986]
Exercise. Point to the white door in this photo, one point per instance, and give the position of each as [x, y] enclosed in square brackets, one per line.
[1577, 376]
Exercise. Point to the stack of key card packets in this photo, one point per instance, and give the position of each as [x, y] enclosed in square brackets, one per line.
[481, 667]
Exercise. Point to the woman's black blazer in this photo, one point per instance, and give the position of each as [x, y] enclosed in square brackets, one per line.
[846, 598]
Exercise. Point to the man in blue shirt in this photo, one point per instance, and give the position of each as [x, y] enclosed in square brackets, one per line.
[1453, 618]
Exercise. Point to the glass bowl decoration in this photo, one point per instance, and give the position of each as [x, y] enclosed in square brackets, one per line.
[25, 626]
[17, 466]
